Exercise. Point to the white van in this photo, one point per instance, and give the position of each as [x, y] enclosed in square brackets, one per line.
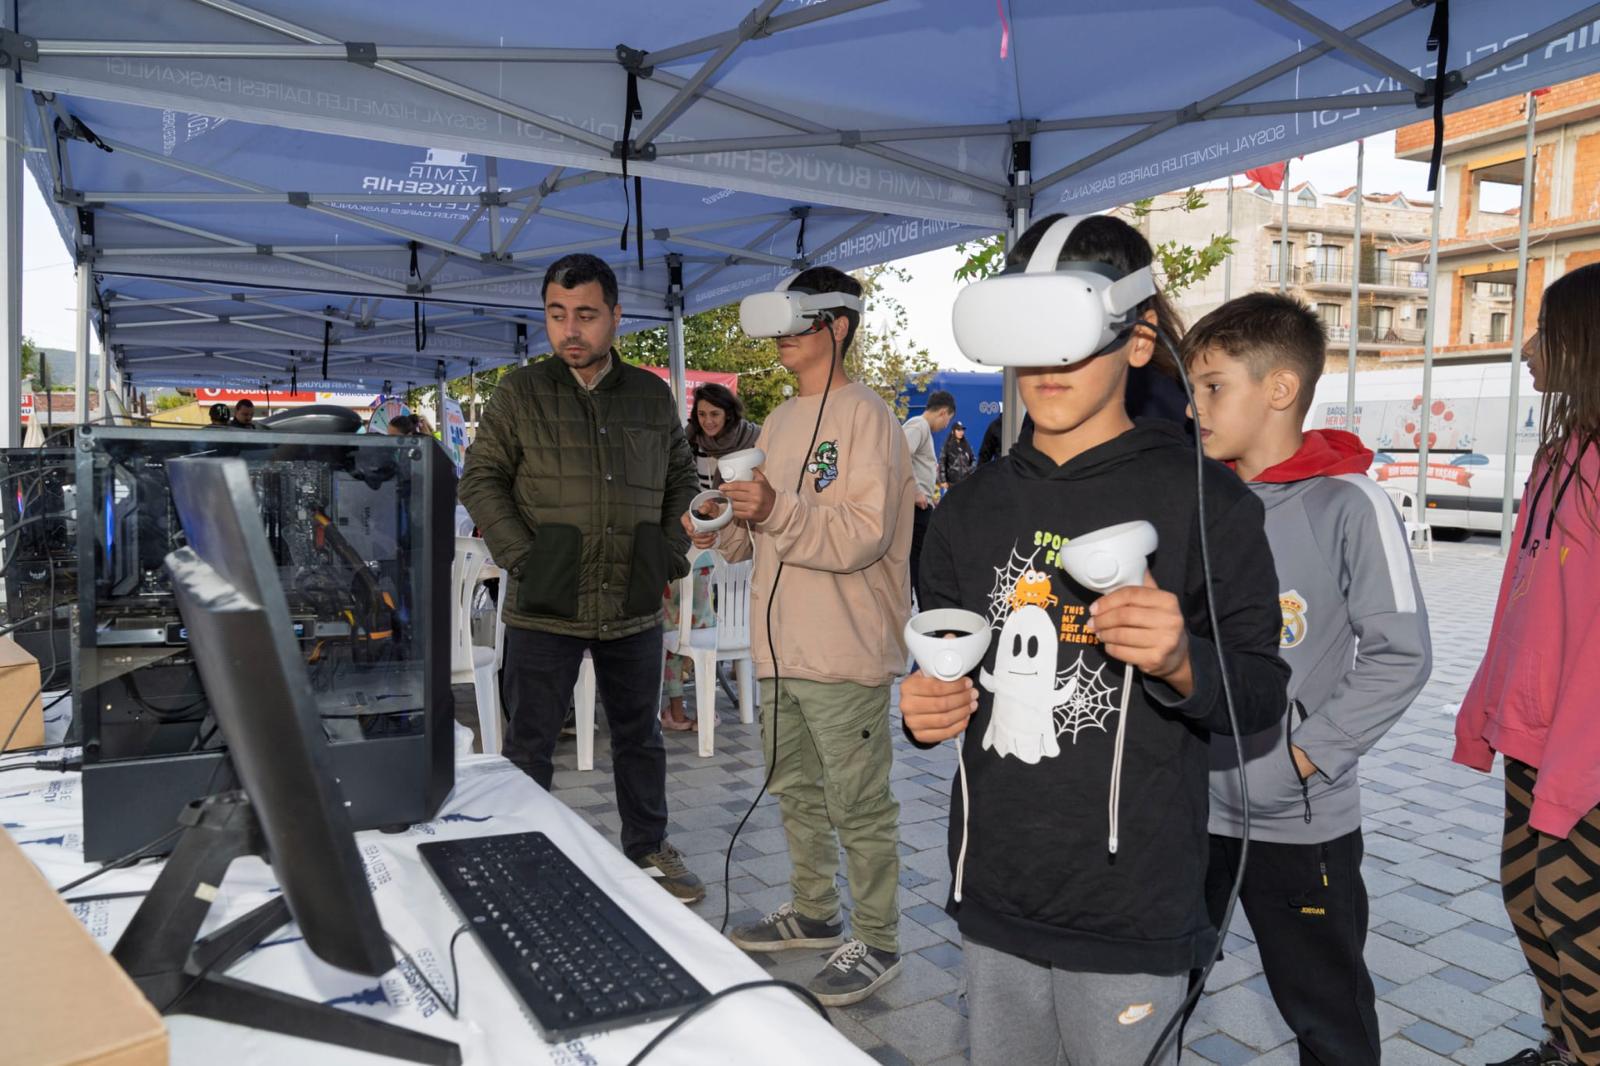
[1467, 427]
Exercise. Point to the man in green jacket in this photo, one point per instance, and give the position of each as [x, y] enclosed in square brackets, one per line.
[579, 479]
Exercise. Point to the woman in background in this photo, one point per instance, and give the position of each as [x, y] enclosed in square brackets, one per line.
[718, 428]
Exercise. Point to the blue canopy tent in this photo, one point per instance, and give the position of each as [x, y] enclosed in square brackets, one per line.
[956, 111]
[405, 268]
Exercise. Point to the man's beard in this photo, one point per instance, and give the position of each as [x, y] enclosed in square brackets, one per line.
[584, 357]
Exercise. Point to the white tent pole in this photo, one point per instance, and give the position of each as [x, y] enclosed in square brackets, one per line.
[677, 363]
[1011, 395]
[1355, 292]
[1227, 267]
[80, 366]
[1518, 325]
[11, 178]
[1427, 357]
[1284, 259]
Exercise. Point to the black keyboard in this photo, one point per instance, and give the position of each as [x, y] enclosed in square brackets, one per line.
[578, 963]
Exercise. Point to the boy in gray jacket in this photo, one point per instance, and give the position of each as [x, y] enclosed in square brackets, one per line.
[1355, 635]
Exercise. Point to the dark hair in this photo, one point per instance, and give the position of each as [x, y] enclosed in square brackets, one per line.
[580, 268]
[1109, 240]
[244, 405]
[721, 397]
[220, 415]
[406, 424]
[819, 279]
[939, 400]
[1569, 333]
[1266, 332]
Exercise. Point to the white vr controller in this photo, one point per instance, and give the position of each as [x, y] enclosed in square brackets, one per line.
[735, 466]
[1110, 558]
[941, 655]
[1051, 313]
[785, 313]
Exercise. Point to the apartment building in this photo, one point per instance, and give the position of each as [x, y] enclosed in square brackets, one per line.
[1321, 258]
[1485, 149]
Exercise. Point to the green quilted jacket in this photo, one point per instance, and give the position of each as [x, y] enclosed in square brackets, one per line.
[580, 496]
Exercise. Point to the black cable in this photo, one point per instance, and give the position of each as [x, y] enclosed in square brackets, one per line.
[141, 852]
[746, 986]
[450, 1008]
[777, 672]
[1193, 997]
[108, 895]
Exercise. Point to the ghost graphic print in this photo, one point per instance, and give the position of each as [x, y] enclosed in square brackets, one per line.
[1022, 720]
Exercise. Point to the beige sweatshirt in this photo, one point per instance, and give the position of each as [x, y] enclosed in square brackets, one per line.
[844, 539]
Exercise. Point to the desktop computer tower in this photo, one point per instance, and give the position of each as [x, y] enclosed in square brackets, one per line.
[361, 531]
[38, 502]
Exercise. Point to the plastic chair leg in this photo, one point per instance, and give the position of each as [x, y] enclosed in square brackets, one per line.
[746, 671]
[705, 698]
[583, 702]
[484, 689]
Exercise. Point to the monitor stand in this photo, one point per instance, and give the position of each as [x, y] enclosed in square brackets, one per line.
[182, 975]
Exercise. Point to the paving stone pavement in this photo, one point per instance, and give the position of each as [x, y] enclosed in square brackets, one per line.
[1452, 985]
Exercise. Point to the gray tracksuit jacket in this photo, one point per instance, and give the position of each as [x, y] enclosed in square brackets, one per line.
[1355, 636]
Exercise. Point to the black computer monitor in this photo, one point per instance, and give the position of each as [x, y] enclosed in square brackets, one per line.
[291, 810]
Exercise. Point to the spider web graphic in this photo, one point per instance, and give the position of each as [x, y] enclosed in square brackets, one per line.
[1005, 583]
[1090, 701]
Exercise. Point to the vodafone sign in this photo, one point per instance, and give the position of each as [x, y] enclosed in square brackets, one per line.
[282, 399]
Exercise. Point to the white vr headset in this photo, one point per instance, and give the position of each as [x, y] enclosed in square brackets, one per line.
[1050, 314]
[782, 313]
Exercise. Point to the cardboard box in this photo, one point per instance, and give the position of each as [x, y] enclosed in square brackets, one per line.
[63, 1002]
[19, 695]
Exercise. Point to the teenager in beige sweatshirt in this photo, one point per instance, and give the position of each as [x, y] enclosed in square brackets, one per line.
[837, 620]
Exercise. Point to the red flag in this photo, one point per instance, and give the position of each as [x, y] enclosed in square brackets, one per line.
[1269, 176]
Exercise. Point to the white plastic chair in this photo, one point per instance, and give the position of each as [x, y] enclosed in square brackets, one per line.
[729, 588]
[1418, 534]
[472, 664]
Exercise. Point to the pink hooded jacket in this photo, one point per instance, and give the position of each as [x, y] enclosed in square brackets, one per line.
[1536, 697]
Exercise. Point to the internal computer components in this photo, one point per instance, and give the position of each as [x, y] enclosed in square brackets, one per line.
[360, 529]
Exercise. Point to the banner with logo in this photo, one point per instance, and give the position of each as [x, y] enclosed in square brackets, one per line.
[453, 434]
[1455, 475]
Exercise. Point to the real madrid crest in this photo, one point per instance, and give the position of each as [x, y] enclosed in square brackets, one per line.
[1294, 608]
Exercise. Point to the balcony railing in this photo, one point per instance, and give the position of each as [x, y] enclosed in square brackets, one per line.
[1394, 275]
[1374, 335]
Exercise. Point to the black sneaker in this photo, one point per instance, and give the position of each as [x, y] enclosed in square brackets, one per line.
[853, 973]
[667, 867]
[784, 929]
[1546, 1054]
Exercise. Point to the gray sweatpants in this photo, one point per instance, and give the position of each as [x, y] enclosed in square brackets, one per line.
[1023, 1012]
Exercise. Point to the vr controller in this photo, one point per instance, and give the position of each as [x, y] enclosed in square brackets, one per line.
[947, 658]
[1110, 558]
[735, 466]
[1049, 313]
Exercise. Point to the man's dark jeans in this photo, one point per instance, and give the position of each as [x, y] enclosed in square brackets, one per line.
[536, 687]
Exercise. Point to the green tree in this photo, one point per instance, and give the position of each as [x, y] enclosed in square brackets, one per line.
[1177, 266]
[174, 400]
[884, 358]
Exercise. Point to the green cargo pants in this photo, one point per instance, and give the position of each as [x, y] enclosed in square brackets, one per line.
[832, 775]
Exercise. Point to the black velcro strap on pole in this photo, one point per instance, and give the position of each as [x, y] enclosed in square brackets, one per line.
[638, 218]
[630, 111]
[327, 337]
[800, 240]
[1438, 42]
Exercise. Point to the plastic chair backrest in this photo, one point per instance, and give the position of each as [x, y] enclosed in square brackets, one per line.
[471, 554]
[1402, 502]
[730, 583]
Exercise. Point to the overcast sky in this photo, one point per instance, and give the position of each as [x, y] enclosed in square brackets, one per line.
[49, 295]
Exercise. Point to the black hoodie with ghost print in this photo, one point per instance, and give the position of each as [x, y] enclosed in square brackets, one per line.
[1038, 879]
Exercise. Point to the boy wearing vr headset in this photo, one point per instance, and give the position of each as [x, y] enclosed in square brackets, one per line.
[1076, 948]
[828, 515]
[1355, 633]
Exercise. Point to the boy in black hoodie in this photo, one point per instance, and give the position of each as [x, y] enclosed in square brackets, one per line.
[1075, 953]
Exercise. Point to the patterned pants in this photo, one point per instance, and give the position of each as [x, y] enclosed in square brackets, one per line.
[1552, 893]
[704, 618]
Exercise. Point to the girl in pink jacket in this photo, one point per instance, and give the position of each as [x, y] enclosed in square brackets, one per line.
[1536, 698]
